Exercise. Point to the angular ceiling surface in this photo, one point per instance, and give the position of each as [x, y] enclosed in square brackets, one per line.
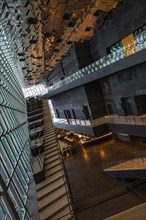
[41, 32]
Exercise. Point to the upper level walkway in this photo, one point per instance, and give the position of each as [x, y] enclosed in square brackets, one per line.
[110, 119]
[105, 66]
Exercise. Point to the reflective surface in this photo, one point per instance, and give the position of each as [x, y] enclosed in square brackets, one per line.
[114, 119]
[15, 170]
[117, 52]
[120, 50]
[33, 91]
[96, 194]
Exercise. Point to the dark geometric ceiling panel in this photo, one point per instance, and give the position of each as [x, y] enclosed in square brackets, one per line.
[42, 31]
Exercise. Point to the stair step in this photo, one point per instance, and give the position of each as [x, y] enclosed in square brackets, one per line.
[49, 131]
[47, 174]
[51, 161]
[50, 141]
[49, 187]
[53, 198]
[63, 214]
[52, 165]
[52, 158]
[70, 218]
[49, 181]
[49, 145]
[52, 151]
[48, 157]
[51, 210]
[51, 192]
[52, 171]
[49, 128]
[53, 216]
[51, 135]
[48, 125]
[49, 154]
[47, 151]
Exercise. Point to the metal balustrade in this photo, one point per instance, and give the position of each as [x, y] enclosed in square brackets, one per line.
[114, 56]
[113, 119]
[135, 160]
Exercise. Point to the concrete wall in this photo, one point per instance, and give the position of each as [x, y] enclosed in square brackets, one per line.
[125, 84]
[67, 66]
[133, 130]
[70, 63]
[83, 54]
[128, 17]
[95, 99]
[116, 86]
[123, 64]
[78, 57]
[73, 99]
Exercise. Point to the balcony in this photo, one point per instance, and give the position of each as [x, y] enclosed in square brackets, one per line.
[108, 119]
[107, 65]
[132, 125]
[134, 167]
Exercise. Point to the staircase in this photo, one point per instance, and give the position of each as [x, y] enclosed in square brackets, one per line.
[52, 192]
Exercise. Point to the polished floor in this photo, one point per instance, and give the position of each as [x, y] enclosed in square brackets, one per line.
[97, 195]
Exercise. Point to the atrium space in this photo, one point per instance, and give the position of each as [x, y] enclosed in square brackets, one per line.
[73, 109]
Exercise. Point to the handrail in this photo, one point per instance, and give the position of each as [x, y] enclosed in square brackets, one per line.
[132, 157]
[99, 64]
[105, 198]
[65, 177]
[113, 119]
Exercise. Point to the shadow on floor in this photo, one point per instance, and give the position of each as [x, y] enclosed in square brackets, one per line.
[96, 194]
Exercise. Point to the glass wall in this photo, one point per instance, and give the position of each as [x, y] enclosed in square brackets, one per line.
[14, 139]
[130, 44]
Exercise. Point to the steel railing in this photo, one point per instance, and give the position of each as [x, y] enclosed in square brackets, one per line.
[113, 119]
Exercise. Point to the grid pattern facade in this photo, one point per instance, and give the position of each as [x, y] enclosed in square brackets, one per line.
[14, 140]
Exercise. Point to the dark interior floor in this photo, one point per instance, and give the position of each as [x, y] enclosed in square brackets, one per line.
[97, 195]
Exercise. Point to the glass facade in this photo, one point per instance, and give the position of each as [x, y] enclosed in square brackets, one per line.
[130, 44]
[14, 139]
[140, 38]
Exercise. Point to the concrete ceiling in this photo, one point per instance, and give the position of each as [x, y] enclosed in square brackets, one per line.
[43, 31]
